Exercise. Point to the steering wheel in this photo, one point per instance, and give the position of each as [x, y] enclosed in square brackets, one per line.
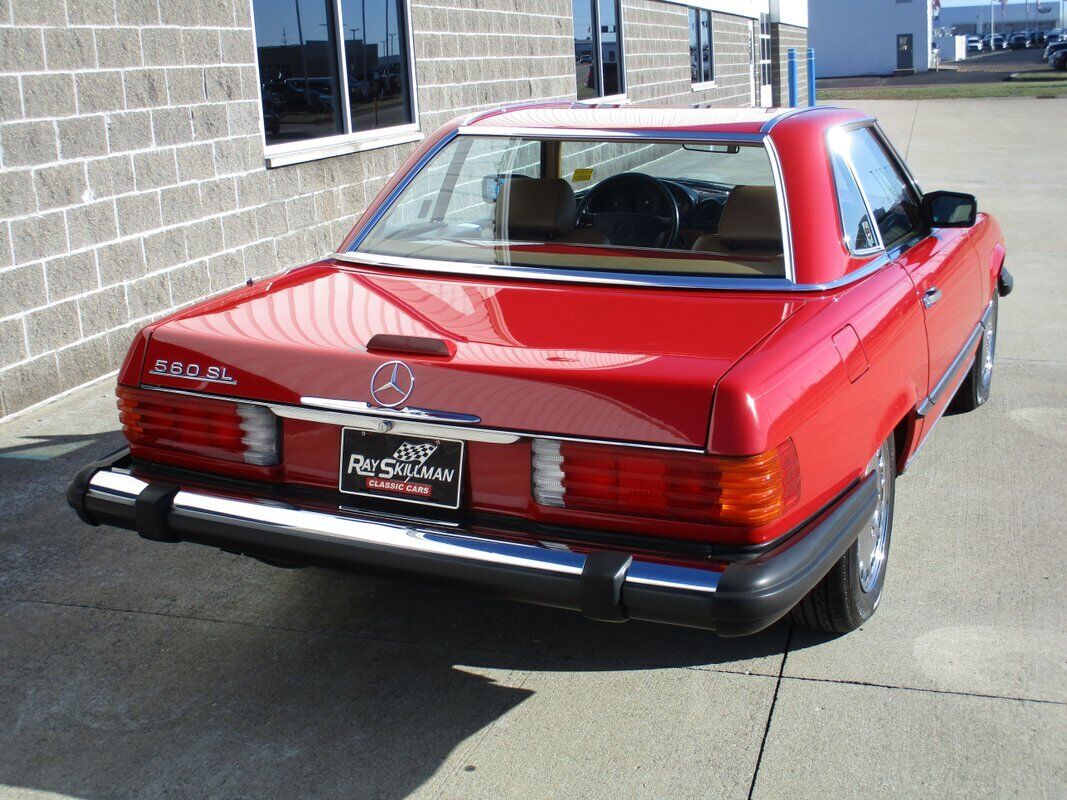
[655, 227]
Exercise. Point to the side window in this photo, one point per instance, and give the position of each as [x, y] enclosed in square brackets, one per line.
[896, 212]
[859, 232]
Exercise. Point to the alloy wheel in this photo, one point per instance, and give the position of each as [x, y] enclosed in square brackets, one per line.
[873, 543]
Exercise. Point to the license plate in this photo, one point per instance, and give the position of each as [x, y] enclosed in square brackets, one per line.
[411, 469]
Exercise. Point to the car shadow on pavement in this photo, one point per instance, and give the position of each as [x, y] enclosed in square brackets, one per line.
[131, 668]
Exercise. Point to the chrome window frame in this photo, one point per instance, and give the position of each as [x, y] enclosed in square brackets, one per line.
[785, 283]
[846, 159]
[896, 161]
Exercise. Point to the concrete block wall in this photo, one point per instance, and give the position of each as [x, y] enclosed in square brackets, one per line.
[475, 54]
[132, 174]
[656, 38]
[784, 37]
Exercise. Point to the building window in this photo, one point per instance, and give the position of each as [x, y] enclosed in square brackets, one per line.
[598, 58]
[332, 70]
[701, 46]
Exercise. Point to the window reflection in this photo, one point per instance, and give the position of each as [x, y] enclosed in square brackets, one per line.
[376, 51]
[586, 64]
[701, 46]
[598, 56]
[610, 48]
[303, 80]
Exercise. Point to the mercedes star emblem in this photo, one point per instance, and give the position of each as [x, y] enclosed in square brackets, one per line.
[391, 384]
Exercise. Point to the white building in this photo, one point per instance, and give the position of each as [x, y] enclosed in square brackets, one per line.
[869, 37]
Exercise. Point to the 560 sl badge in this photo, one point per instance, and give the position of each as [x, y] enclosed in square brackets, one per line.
[193, 372]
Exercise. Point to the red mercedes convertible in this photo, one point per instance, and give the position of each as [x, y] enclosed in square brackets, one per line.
[655, 364]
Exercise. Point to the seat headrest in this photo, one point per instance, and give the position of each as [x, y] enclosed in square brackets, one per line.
[536, 208]
[750, 219]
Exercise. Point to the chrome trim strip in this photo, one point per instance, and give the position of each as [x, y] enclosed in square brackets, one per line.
[381, 536]
[609, 134]
[407, 412]
[386, 424]
[372, 419]
[228, 382]
[658, 280]
[921, 412]
[783, 210]
[935, 396]
[556, 275]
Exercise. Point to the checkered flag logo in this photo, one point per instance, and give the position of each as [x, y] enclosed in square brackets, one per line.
[414, 452]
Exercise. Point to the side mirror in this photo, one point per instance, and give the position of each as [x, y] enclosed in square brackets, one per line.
[949, 209]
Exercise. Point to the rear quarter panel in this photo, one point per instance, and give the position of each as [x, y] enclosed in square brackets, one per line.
[795, 385]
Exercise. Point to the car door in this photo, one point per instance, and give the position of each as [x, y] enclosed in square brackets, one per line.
[942, 263]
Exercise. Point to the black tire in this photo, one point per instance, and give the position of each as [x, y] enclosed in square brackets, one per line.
[848, 594]
[974, 391]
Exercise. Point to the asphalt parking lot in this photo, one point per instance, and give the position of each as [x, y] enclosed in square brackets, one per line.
[134, 669]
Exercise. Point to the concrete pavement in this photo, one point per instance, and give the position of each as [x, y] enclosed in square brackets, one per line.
[133, 669]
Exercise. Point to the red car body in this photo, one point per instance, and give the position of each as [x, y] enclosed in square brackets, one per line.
[835, 360]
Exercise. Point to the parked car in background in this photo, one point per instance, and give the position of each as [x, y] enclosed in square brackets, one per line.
[1059, 59]
[1052, 49]
[1053, 35]
[974, 44]
[656, 364]
[993, 41]
[1018, 41]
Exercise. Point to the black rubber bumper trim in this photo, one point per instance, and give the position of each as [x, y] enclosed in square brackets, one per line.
[600, 587]
[80, 485]
[751, 594]
[150, 512]
[754, 594]
[1005, 282]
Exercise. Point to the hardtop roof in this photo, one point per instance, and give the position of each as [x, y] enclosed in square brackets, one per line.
[578, 117]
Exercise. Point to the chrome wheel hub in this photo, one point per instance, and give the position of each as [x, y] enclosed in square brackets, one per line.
[874, 541]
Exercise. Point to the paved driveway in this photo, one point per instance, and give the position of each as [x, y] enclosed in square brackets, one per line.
[132, 669]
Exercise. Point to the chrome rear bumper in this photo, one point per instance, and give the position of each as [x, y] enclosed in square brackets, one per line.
[607, 585]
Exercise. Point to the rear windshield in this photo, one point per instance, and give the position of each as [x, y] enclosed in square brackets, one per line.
[615, 206]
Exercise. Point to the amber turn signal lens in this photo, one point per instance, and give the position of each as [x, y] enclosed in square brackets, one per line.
[726, 490]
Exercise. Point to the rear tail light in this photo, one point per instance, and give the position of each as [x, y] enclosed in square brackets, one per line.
[224, 429]
[724, 490]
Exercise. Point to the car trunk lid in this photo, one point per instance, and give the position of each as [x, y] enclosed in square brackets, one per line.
[621, 363]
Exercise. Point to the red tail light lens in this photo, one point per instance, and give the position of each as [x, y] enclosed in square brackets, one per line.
[221, 429]
[725, 490]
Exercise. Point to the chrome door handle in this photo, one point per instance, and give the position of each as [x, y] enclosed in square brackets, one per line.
[931, 296]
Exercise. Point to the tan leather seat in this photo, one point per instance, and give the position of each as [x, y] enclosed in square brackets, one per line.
[750, 230]
[541, 210]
